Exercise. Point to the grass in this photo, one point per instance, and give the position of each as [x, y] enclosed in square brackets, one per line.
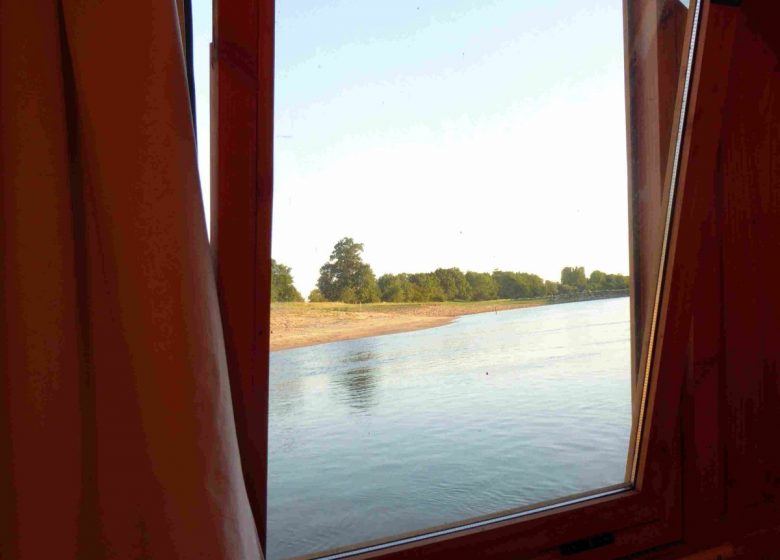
[446, 307]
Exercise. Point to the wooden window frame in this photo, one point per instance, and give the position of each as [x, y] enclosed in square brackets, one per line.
[646, 515]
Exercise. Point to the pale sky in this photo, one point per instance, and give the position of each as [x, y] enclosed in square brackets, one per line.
[480, 134]
[201, 37]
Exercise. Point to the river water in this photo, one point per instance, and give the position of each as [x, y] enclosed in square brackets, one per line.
[383, 435]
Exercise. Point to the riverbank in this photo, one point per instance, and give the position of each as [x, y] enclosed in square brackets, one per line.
[304, 324]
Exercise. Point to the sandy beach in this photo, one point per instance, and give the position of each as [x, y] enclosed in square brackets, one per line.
[304, 324]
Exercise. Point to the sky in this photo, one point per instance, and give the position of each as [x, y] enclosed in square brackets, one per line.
[201, 38]
[477, 134]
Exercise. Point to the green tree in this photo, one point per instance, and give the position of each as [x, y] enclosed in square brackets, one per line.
[349, 295]
[533, 283]
[425, 286]
[597, 281]
[315, 296]
[508, 286]
[483, 286]
[345, 277]
[574, 277]
[551, 288]
[282, 288]
[566, 289]
[366, 290]
[394, 288]
[454, 284]
[540, 290]
[616, 282]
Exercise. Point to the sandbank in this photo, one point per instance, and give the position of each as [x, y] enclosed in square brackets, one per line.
[294, 325]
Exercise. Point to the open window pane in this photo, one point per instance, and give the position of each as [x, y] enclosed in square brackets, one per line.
[451, 181]
[201, 38]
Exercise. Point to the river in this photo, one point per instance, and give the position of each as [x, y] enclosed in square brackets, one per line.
[382, 435]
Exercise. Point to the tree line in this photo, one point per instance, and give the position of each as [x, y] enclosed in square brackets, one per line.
[347, 278]
[282, 288]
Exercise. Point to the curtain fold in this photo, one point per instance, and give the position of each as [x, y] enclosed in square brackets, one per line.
[117, 437]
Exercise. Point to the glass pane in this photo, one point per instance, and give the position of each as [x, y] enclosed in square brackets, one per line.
[201, 39]
[451, 198]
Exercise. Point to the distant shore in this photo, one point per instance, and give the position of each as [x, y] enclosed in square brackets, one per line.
[294, 325]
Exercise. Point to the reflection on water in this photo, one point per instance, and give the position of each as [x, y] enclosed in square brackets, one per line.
[290, 396]
[361, 356]
[356, 388]
[378, 436]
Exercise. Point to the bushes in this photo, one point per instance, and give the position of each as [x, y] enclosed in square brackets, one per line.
[345, 277]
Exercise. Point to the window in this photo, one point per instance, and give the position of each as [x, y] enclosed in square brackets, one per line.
[646, 513]
[201, 40]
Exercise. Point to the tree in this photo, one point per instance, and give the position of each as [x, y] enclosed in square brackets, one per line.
[574, 277]
[425, 286]
[349, 295]
[315, 296]
[516, 285]
[597, 281]
[394, 288]
[616, 282]
[532, 284]
[345, 277]
[282, 288]
[508, 285]
[566, 290]
[366, 290]
[483, 286]
[454, 284]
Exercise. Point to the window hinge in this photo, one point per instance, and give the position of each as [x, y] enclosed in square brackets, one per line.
[588, 543]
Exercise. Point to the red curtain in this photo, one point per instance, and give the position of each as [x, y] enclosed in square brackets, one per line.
[117, 437]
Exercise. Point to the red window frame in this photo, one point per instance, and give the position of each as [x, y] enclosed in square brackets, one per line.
[646, 515]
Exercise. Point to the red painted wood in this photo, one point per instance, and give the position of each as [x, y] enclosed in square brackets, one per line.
[701, 418]
[695, 281]
[655, 32]
[732, 396]
[750, 174]
[242, 123]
